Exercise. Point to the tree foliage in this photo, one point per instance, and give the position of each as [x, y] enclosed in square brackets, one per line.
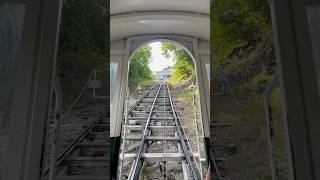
[183, 69]
[242, 41]
[139, 71]
[243, 49]
[82, 43]
[238, 25]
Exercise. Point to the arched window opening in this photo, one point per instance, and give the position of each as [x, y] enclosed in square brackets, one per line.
[162, 108]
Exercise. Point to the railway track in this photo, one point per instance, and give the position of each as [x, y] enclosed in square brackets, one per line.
[153, 143]
[86, 158]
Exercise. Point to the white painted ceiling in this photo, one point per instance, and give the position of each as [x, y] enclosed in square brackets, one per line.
[175, 17]
[125, 6]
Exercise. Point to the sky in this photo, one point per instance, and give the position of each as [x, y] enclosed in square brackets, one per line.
[159, 61]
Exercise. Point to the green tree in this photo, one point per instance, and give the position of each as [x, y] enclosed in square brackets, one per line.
[82, 43]
[139, 71]
[242, 42]
[183, 69]
[242, 47]
[238, 25]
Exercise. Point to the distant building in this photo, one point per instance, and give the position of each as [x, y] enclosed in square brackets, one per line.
[164, 74]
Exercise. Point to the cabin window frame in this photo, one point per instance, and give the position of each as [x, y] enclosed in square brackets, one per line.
[298, 85]
[33, 89]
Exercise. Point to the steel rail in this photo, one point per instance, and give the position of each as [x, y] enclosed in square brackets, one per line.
[126, 124]
[194, 172]
[84, 132]
[215, 166]
[197, 127]
[57, 127]
[186, 137]
[124, 135]
[140, 99]
[165, 133]
[137, 163]
[188, 141]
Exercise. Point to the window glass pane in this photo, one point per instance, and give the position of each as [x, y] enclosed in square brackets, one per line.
[82, 69]
[278, 140]
[314, 23]
[113, 77]
[243, 66]
[11, 24]
[208, 72]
